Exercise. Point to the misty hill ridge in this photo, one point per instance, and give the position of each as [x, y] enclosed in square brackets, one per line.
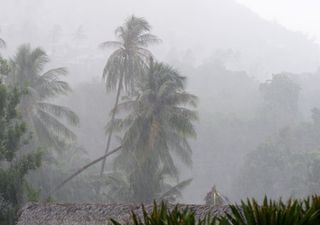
[265, 47]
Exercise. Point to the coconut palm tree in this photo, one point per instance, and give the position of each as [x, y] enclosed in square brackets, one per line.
[158, 123]
[159, 120]
[127, 61]
[44, 117]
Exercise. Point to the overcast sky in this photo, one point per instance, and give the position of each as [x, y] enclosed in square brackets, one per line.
[298, 15]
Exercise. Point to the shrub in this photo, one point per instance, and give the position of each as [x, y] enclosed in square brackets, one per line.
[249, 212]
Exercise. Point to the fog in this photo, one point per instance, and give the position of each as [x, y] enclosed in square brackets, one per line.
[257, 84]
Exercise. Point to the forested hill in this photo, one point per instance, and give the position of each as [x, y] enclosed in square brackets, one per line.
[259, 47]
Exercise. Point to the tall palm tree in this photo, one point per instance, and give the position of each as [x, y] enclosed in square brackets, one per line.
[44, 117]
[127, 62]
[158, 123]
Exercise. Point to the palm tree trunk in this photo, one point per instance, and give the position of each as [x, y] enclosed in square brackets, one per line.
[112, 121]
[82, 169]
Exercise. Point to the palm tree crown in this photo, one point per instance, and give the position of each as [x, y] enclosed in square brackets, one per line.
[158, 120]
[127, 61]
[39, 87]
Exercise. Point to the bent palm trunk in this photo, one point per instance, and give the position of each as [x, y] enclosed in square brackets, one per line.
[82, 169]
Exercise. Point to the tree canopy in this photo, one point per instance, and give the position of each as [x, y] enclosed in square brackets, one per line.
[42, 115]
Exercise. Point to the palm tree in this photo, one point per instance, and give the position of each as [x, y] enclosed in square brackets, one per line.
[127, 62]
[158, 123]
[44, 117]
[158, 119]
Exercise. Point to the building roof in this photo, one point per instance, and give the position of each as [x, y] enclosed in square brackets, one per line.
[95, 214]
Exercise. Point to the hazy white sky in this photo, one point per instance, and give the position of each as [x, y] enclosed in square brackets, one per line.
[298, 15]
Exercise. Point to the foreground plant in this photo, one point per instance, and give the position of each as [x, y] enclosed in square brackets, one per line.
[292, 212]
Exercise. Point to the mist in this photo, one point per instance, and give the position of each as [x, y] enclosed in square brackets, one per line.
[256, 83]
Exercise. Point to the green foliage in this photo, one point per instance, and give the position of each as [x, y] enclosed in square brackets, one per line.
[158, 119]
[281, 91]
[292, 212]
[4, 66]
[14, 165]
[287, 165]
[127, 62]
[280, 107]
[47, 120]
[80, 189]
[157, 124]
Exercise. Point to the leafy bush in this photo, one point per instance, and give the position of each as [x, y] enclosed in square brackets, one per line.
[292, 212]
[14, 162]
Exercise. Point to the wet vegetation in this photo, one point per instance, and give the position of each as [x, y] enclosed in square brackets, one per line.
[125, 124]
[246, 213]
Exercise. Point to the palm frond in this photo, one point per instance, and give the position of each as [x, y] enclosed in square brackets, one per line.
[127, 105]
[38, 58]
[54, 74]
[183, 125]
[176, 190]
[116, 179]
[55, 126]
[184, 98]
[167, 161]
[45, 137]
[60, 112]
[111, 44]
[27, 74]
[147, 39]
[116, 125]
[128, 60]
[186, 113]
[137, 22]
[114, 69]
[180, 146]
[50, 85]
